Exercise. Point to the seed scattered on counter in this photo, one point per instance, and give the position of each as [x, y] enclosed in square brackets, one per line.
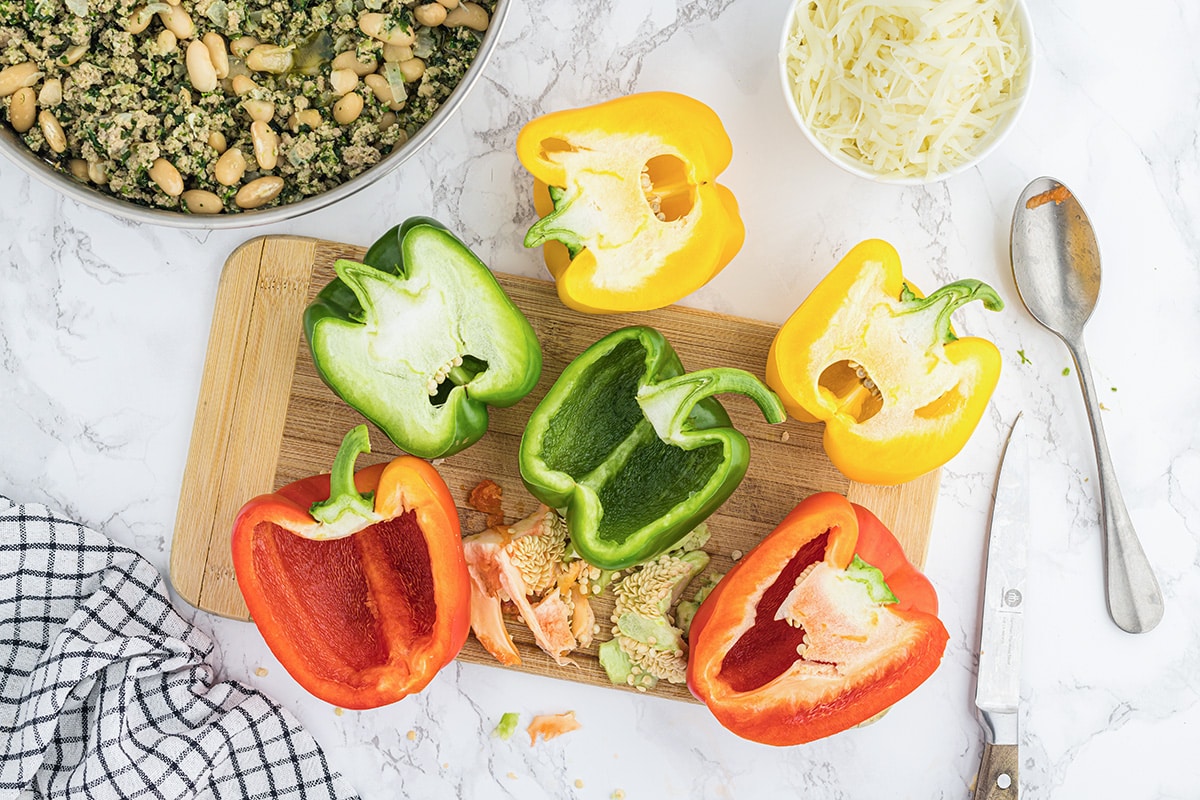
[618, 794]
[261, 672]
[736, 555]
[579, 783]
[512, 776]
[412, 736]
[783, 437]
[338, 711]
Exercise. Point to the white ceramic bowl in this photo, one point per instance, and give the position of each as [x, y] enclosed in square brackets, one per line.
[983, 147]
[15, 149]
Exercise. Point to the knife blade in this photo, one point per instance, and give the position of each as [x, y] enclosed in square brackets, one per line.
[998, 684]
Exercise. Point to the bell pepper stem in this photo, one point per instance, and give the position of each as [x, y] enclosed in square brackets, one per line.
[346, 505]
[947, 300]
[668, 404]
[548, 227]
[872, 578]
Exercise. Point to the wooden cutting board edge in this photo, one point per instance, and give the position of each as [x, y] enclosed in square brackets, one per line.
[244, 395]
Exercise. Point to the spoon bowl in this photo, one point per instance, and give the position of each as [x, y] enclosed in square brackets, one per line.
[1056, 267]
[1056, 253]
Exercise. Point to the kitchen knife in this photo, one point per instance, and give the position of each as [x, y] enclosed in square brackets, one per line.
[998, 687]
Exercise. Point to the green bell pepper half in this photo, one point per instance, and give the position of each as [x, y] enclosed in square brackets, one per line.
[420, 339]
[637, 451]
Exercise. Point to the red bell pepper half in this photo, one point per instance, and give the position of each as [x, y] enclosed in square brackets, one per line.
[820, 627]
[362, 597]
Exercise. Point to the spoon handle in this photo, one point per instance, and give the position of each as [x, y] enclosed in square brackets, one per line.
[1135, 602]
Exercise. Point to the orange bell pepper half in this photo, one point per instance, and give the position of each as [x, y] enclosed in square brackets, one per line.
[807, 636]
[362, 597]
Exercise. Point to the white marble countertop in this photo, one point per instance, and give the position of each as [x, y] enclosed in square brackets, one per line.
[103, 329]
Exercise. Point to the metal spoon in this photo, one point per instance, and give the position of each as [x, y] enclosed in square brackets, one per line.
[1056, 265]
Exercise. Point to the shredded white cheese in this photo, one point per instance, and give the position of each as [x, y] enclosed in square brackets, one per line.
[910, 88]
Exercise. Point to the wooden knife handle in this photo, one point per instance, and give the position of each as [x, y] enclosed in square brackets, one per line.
[997, 779]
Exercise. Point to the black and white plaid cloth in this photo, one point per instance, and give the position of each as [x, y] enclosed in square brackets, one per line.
[106, 692]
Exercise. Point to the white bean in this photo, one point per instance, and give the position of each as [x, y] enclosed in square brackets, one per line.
[18, 76]
[167, 41]
[97, 172]
[343, 81]
[78, 168]
[230, 167]
[468, 15]
[348, 108]
[22, 109]
[216, 140]
[259, 110]
[217, 53]
[243, 84]
[266, 144]
[382, 89]
[430, 15]
[74, 53]
[178, 22]
[270, 58]
[163, 173]
[242, 46]
[138, 20]
[201, 71]
[397, 52]
[449, 3]
[376, 26]
[258, 192]
[202, 201]
[53, 131]
[51, 94]
[349, 60]
[412, 70]
[309, 117]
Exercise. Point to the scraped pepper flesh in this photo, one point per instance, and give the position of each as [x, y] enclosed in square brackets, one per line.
[357, 581]
[806, 637]
[899, 392]
[631, 215]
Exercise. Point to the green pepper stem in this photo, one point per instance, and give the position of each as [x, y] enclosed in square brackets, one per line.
[947, 300]
[548, 227]
[668, 404]
[346, 503]
[872, 578]
[459, 376]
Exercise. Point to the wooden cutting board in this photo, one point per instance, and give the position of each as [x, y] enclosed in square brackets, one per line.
[264, 419]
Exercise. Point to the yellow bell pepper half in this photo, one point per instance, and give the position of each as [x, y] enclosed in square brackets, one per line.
[879, 363]
[631, 216]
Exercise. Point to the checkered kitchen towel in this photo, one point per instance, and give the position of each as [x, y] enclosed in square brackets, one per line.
[105, 692]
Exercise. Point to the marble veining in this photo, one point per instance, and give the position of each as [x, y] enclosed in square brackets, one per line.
[104, 325]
